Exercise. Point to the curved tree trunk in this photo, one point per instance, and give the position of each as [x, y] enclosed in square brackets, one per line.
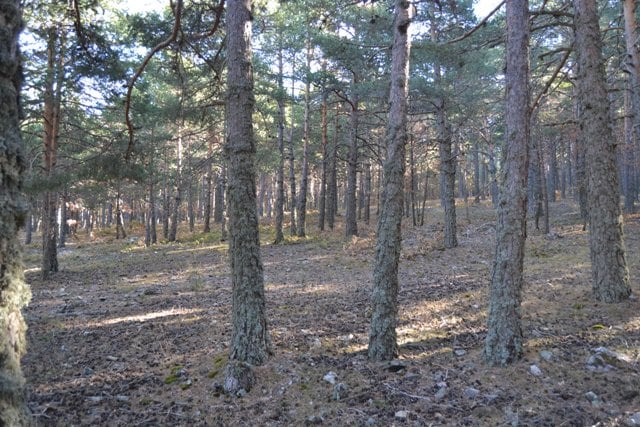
[610, 276]
[504, 341]
[249, 342]
[15, 293]
[382, 337]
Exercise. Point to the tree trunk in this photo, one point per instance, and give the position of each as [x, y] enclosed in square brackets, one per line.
[628, 161]
[350, 220]
[633, 67]
[15, 292]
[280, 194]
[249, 342]
[175, 214]
[302, 200]
[325, 153]
[448, 174]
[292, 171]
[504, 341]
[332, 181]
[476, 172]
[610, 276]
[208, 188]
[382, 336]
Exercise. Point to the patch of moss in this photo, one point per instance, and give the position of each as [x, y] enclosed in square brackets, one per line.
[173, 375]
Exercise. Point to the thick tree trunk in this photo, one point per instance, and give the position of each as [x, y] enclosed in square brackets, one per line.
[350, 220]
[633, 67]
[382, 336]
[504, 341]
[13, 209]
[249, 342]
[610, 276]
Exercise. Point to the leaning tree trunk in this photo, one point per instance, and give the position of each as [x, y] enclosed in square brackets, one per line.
[14, 292]
[504, 341]
[249, 342]
[382, 337]
[610, 276]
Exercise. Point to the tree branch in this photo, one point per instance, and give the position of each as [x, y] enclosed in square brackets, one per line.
[551, 80]
[477, 27]
[127, 105]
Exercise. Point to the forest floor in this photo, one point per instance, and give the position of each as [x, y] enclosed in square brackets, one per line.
[125, 335]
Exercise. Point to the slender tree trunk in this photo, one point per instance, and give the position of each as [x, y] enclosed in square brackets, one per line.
[302, 200]
[15, 292]
[292, 171]
[332, 181]
[367, 192]
[382, 336]
[208, 188]
[476, 172]
[350, 221]
[249, 342]
[448, 174]
[325, 161]
[504, 341]
[412, 168]
[51, 117]
[280, 194]
[610, 276]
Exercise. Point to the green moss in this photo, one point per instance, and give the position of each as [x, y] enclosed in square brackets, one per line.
[173, 375]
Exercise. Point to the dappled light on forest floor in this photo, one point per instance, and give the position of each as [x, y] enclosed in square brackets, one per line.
[126, 336]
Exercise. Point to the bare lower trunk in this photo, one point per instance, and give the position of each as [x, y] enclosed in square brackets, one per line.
[382, 336]
[15, 292]
[350, 221]
[504, 341]
[249, 342]
[610, 276]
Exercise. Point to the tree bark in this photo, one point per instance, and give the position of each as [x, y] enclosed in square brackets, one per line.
[382, 336]
[13, 210]
[280, 176]
[610, 276]
[208, 187]
[325, 153]
[249, 342]
[633, 67]
[504, 341]
[350, 220]
[302, 200]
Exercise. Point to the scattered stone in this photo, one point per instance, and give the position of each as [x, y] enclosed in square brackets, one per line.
[613, 357]
[459, 352]
[95, 399]
[471, 393]
[340, 391]
[491, 398]
[370, 422]
[396, 366]
[634, 420]
[442, 392]
[535, 371]
[402, 415]
[111, 358]
[546, 355]
[314, 420]
[330, 377]
[593, 398]
[87, 372]
[596, 363]
[122, 398]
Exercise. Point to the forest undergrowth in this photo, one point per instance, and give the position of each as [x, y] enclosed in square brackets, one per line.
[128, 335]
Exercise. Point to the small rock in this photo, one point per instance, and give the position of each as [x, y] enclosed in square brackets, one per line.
[546, 355]
[122, 398]
[240, 393]
[330, 377]
[111, 358]
[340, 391]
[593, 398]
[613, 357]
[87, 372]
[459, 352]
[535, 371]
[471, 393]
[314, 420]
[370, 422]
[396, 366]
[95, 399]
[634, 420]
[441, 393]
[402, 415]
[596, 363]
